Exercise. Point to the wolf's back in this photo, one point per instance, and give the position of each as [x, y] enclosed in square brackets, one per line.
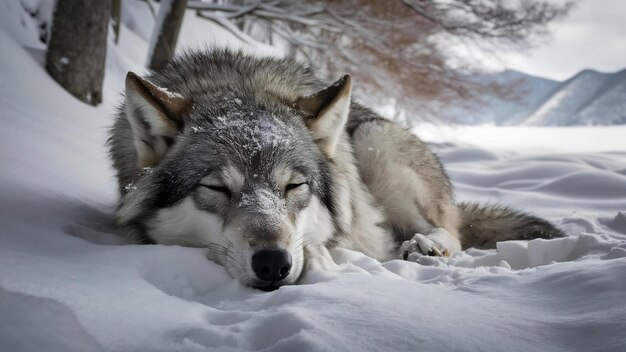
[482, 225]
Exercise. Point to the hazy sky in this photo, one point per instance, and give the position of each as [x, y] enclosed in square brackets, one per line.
[592, 36]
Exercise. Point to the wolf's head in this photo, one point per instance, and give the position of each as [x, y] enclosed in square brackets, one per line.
[246, 177]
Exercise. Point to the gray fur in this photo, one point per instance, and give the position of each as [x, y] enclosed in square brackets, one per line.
[483, 225]
[201, 77]
[377, 186]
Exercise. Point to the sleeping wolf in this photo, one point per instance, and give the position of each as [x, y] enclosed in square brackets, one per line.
[269, 168]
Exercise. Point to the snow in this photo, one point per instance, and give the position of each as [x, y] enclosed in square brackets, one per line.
[267, 130]
[568, 100]
[530, 92]
[15, 18]
[528, 138]
[611, 104]
[67, 283]
[588, 98]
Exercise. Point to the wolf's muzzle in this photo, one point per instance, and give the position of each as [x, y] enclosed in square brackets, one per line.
[271, 265]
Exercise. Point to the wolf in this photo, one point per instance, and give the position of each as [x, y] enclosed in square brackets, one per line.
[271, 169]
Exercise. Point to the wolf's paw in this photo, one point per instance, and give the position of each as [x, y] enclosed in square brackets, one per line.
[422, 245]
[317, 258]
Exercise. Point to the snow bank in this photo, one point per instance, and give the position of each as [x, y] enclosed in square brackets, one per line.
[67, 283]
[529, 139]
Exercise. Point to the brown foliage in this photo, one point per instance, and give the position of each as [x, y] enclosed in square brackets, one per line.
[398, 47]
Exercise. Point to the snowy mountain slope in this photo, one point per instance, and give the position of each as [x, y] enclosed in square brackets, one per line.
[581, 99]
[570, 97]
[68, 284]
[588, 98]
[530, 92]
[608, 106]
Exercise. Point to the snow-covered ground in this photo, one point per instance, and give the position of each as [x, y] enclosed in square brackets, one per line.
[67, 284]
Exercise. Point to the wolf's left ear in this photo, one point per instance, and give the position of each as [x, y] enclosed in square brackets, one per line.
[156, 117]
[327, 113]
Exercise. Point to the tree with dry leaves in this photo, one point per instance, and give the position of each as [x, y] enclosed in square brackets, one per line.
[406, 48]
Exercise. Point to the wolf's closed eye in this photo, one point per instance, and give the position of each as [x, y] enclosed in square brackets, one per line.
[294, 186]
[218, 188]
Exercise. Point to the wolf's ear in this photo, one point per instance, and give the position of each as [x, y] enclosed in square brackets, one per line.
[327, 113]
[156, 117]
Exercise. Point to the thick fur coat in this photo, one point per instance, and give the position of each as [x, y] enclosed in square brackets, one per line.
[269, 168]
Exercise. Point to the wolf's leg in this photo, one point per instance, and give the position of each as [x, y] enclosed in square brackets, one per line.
[409, 184]
[438, 243]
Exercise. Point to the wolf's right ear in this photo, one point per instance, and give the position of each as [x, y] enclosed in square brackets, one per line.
[327, 113]
[156, 117]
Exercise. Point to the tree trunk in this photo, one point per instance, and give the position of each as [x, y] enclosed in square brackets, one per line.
[165, 33]
[77, 49]
[116, 19]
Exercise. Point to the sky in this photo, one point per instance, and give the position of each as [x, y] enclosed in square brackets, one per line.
[592, 36]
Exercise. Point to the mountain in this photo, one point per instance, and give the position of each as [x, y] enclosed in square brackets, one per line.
[588, 98]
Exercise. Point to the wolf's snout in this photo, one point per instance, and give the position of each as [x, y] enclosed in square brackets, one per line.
[271, 264]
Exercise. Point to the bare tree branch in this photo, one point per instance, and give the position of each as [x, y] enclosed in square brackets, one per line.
[401, 46]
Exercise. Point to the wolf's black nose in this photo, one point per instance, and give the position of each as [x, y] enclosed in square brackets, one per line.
[271, 264]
